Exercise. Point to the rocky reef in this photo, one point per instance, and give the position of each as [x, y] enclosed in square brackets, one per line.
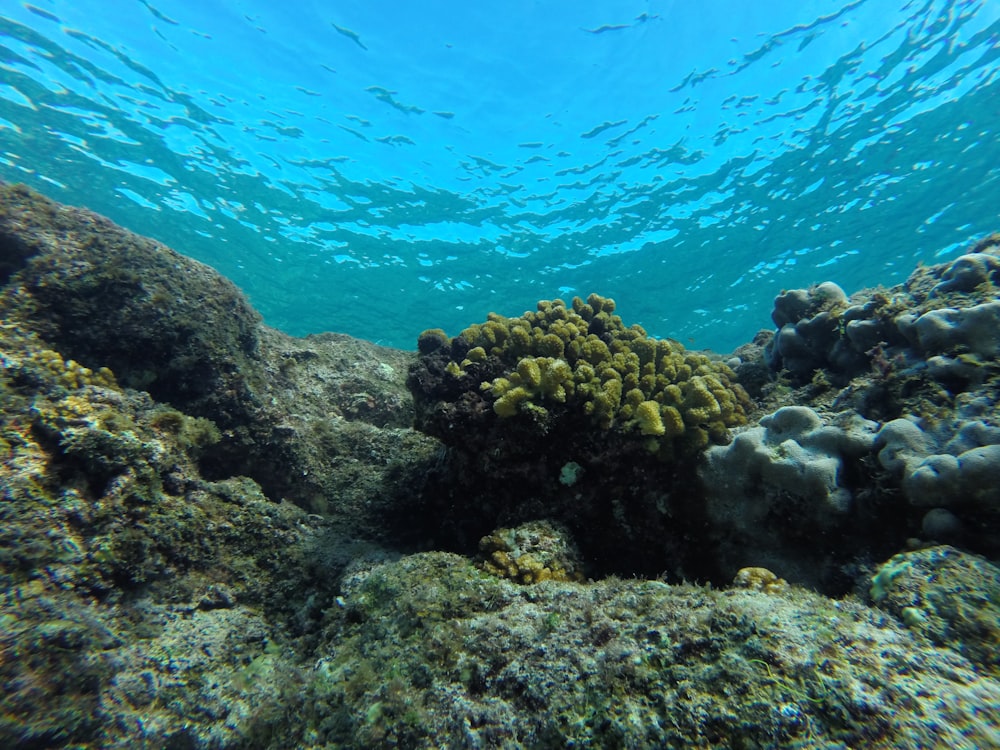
[305, 418]
[477, 661]
[547, 531]
[901, 439]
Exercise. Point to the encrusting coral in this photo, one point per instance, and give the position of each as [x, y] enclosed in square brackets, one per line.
[533, 552]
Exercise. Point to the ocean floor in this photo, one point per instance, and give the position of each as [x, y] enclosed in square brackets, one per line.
[547, 531]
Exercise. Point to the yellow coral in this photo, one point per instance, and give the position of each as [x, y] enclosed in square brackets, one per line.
[583, 356]
[647, 414]
[759, 579]
[476, 354]
[534, 552]
[70, 373]
[673, 422]
[550, 345]
[557, 379]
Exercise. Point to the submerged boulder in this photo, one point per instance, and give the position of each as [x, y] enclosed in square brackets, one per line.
[322, 421]
[428, 651]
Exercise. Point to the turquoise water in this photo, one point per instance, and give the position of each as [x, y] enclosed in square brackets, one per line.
[378, 168]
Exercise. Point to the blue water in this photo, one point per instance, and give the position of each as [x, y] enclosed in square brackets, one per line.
[378, 168]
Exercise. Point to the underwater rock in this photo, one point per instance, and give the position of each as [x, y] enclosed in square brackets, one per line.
[151, 597]
[97, 293]
[947, 595]
[798, 304]
[429, 651]
[782, 494]
[338, 437]
[818, 328]
[921, 359]
[142, 605]
[794, 451]
[302, 417]
[968, 271]
[944, 463]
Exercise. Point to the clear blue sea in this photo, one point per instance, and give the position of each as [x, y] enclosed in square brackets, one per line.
[379, 167]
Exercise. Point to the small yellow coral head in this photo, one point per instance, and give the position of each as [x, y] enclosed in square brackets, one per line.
[759, 579]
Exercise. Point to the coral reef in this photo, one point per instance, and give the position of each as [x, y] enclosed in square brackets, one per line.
[782, 494]
[567, 414]
[158, 589]
[759, 579]
[946, 315]
[949, 470]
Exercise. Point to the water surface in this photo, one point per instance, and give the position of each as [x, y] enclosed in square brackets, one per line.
[383, 167]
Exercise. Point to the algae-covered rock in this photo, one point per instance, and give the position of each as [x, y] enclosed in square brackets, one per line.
[141, 605]
[951, 597]
[429, 651]
[100, 294]
[303, 417]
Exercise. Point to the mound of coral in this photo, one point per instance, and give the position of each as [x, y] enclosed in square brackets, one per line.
[560, 363]
[885, 427]
[567, 414]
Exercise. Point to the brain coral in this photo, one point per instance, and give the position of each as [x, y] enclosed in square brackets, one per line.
[583, 359]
